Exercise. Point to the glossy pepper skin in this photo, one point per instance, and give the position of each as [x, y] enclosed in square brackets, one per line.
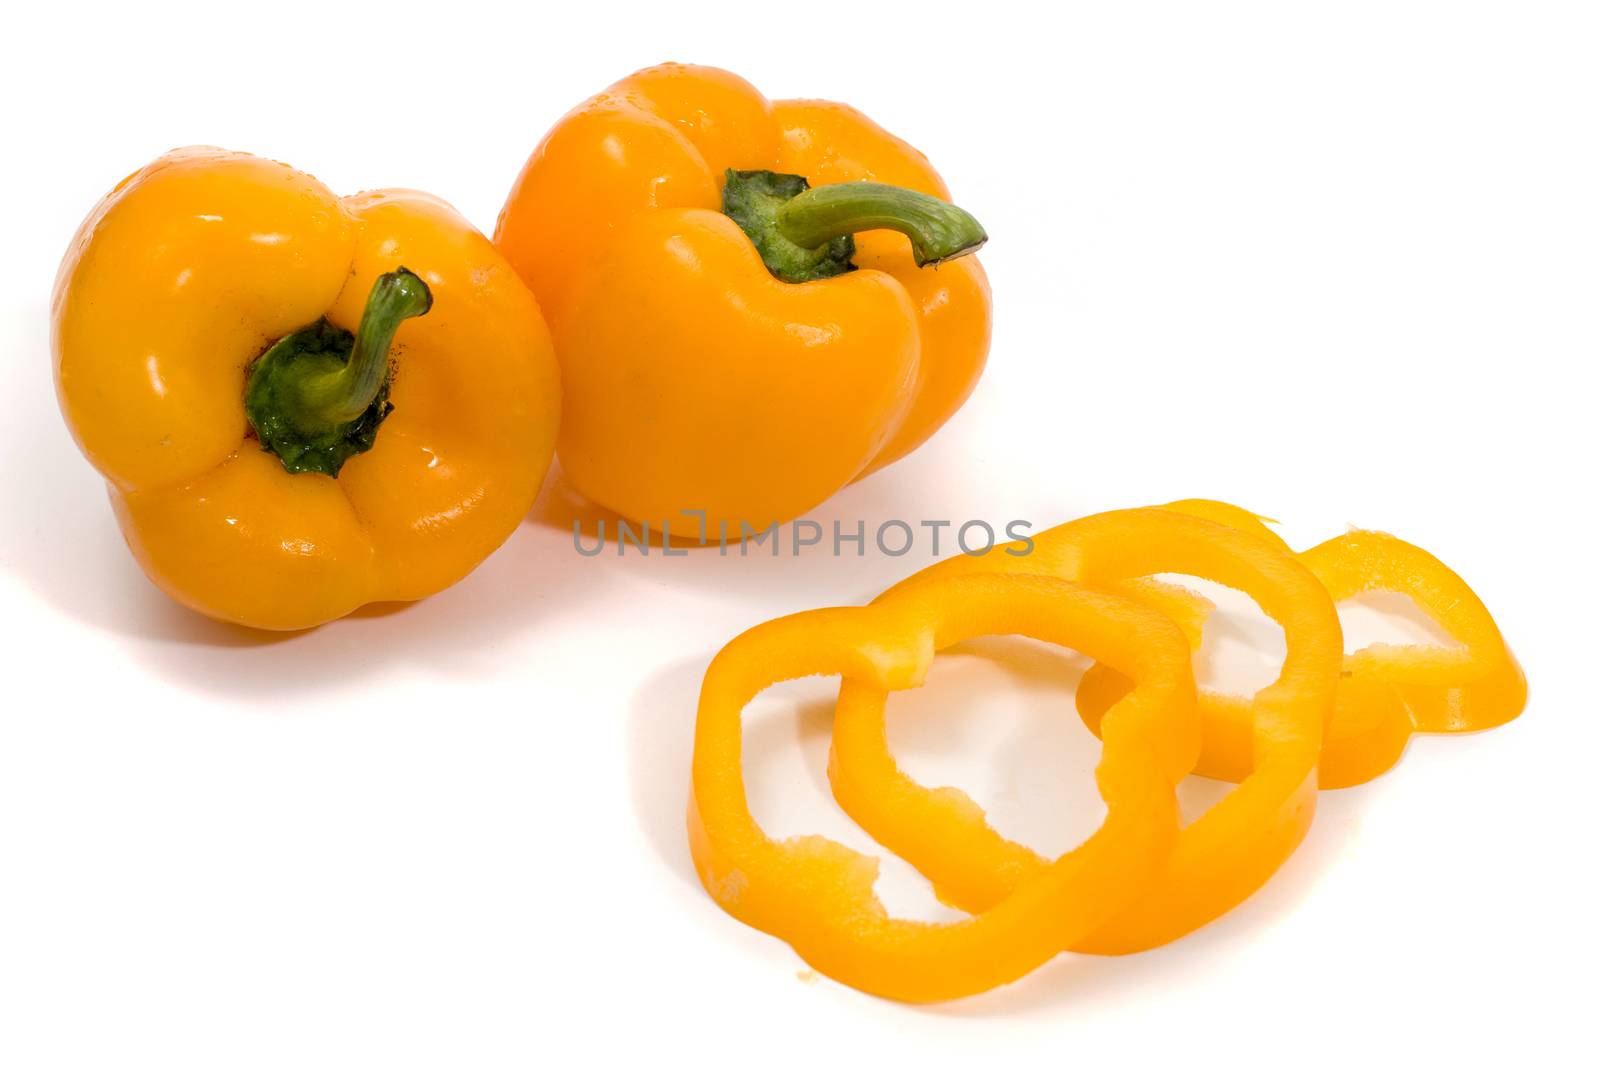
[193, 267]
[694, 378]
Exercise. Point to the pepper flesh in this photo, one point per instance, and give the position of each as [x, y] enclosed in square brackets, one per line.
[818, 895]
[185, 274]
[1386, 692]
[695, 379]
[1223, 856]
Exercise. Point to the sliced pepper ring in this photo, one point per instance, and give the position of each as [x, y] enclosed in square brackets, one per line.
[1446, 690]
[1386, 692]
[818, 894]
[1223, 856]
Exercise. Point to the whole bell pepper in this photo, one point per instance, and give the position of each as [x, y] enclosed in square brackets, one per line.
[300, 403]
[740, 331]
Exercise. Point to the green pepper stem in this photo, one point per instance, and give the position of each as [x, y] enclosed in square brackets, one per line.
[938, 230]
[317, 397]
[339, 396]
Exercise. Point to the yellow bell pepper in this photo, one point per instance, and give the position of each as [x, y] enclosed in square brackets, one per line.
[222, 327]
[740, 331]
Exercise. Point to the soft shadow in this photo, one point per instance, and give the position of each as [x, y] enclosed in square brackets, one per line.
[997, 720]
[1074, 984]
[561, 507]
[1382, 616]
[660, 748]
[462, 632]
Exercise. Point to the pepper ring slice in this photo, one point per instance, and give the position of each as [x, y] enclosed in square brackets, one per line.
[1386, 692]
[818, 895]
[1222, 857]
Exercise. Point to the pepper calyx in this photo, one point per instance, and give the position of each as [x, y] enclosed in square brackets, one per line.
[316, 397]
[753, 199]
[803, 234]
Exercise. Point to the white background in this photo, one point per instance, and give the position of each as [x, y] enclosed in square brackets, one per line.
[1337, 263]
